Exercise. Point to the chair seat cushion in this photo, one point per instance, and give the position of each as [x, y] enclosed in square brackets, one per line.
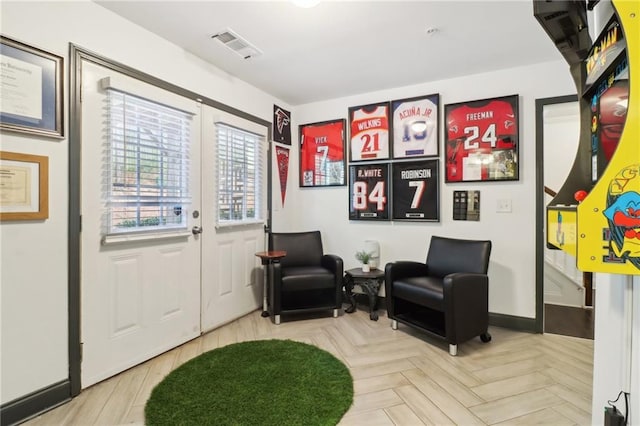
[424, 291]
[301, 278]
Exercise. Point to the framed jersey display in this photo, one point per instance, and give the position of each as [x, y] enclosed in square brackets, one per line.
[322, 154]
[415, 126]
[369, 192]
[369, 137]
[482, 140]
[415, 190]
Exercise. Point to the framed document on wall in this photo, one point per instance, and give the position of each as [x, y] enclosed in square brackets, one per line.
[369, 192]
[415, 126]
[30, 90]
[322, 154]
[482, 140]
[24, 190]
[415, 190]
[369, 137]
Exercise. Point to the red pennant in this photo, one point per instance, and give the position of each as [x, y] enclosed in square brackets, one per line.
[282, 155]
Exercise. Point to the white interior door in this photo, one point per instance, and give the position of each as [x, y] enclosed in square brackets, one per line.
[140, 292]
[231, 273]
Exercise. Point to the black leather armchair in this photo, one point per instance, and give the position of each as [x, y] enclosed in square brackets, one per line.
[448, 296]
[305, 279]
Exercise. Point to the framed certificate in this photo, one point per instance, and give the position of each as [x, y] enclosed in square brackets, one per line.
[415, 126]
[369, 192]
[30, 90]
[322, 154]
[24, 186]
[369, 127]
[482, 140]
[415, 190]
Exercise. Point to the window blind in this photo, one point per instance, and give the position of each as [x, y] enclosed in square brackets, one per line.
[148, 164]
[240, 175]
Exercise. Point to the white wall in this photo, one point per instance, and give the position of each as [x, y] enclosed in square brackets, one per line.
[34, 254]
[616, 357]
[512, 268]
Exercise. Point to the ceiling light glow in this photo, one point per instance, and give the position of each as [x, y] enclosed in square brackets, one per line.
[306, 3]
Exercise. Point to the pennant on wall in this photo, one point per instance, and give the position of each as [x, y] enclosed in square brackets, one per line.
[281, 125]
[282, 155]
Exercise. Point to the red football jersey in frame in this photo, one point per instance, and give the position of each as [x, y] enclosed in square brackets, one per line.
[322, 148]
[482, 140]
[369, 127]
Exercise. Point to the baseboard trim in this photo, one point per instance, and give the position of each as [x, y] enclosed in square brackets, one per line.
[513, 322]
[28, 406]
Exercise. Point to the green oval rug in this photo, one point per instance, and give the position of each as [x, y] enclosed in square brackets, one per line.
[262, 382]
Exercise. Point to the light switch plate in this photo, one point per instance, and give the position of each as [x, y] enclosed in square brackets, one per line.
[503, 206]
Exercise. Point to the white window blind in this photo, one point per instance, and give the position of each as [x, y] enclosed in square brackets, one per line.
[148, 164]
[240, 176]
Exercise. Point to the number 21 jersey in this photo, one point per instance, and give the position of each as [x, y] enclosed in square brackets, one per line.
[370, 133]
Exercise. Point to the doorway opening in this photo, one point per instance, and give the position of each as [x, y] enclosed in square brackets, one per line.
[564, 295]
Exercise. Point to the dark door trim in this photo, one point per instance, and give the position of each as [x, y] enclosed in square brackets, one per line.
[540, 215]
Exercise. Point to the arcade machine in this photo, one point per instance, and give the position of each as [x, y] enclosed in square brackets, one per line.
[596, 214]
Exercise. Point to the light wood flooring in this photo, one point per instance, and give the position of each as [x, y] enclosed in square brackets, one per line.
[400, 377]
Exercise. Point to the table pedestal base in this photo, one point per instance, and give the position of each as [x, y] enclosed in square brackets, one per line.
[369, 285]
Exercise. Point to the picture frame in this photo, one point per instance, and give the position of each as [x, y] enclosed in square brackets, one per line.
[369, 136]
[369, 192]
[31, 87]
[415, 124]
[24, 186]
[322, 154]
[416, 190]
[482, 140]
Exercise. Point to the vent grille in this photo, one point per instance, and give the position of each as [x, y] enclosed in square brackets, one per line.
[237, 44]
[555, 15]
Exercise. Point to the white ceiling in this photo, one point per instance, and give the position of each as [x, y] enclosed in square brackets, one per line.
[341, 48]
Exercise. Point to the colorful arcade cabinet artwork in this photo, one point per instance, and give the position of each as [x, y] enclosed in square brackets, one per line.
[609, 217]
[602, 226]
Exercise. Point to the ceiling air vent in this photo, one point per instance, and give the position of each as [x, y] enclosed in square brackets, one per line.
[236, 43]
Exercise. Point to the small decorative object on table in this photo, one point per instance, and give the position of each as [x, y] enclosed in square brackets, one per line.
[364, 257]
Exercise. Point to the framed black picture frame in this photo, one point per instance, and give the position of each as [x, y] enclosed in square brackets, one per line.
[369, 192]
[415, 124]
[369, 135]
[482, 140]
[416, 190]
[322, 154]
[30, 90]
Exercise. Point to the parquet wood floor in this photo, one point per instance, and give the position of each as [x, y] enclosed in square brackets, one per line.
[401, 377]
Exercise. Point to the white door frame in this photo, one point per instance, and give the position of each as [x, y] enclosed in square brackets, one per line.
[77, 54]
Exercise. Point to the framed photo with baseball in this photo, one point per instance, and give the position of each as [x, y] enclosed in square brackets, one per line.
[415, 190]
[482, 140]
[369, 127]
[322, 154]
[369, 192]
[415, 126]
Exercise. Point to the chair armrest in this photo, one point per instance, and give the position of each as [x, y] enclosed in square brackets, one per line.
[466, 305]
[397, 270]
[275, 292]
[464, 287]
[334, 264]
[404, 269]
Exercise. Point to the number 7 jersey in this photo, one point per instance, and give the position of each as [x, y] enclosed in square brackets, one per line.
[322, 153]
